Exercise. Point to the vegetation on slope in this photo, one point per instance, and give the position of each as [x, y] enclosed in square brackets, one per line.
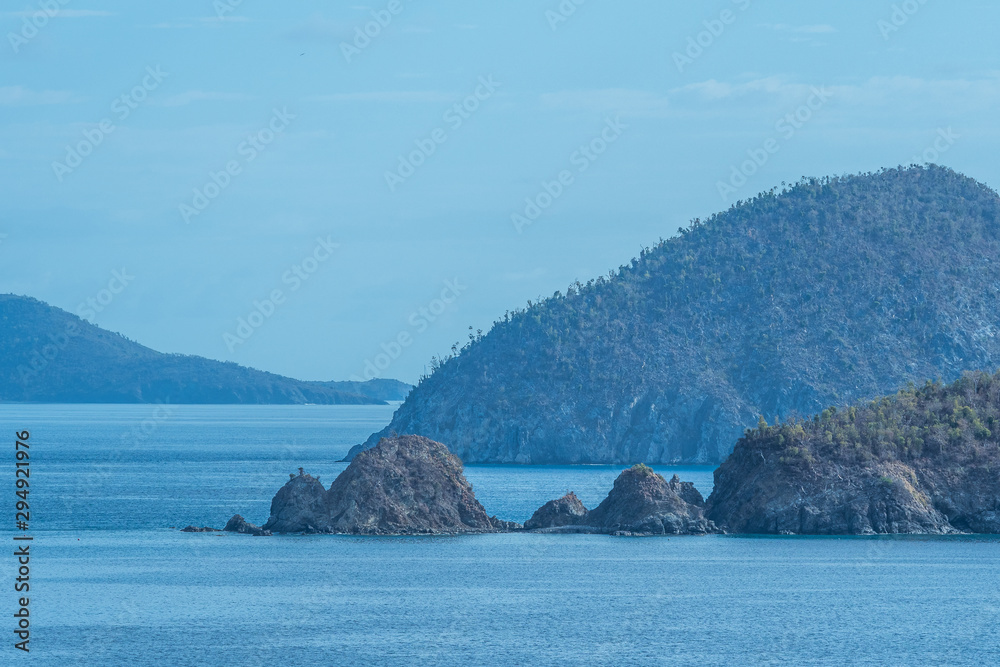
[924, 460]
[830, 291]
[953, 425]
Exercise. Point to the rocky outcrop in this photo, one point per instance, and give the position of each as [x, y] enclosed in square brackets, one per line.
[196, 529]
[924, 460]
[240, 525]
[884, 498]
[565, 511]
[299, 506]
[642, 502]
[406, 485]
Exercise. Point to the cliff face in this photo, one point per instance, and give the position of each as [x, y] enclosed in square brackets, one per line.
[834, 291]
[922, 461]
[405, 485]
[641, 503]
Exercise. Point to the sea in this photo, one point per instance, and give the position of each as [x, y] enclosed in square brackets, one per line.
[113, 581]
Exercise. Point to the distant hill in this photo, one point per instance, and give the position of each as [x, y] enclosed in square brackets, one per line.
[828, 292]
[50, 356]
[382, 389]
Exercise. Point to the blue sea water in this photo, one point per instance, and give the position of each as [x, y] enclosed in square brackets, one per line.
[113, 584]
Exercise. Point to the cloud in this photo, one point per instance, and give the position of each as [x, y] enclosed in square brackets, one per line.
[816, 29]
[61, 13]
[190, 96]
[937, 95]
[224, 19]
[200, 21]
[389, 96]
[609, 100]
[11, 96]
[720, 90]
[319, 28]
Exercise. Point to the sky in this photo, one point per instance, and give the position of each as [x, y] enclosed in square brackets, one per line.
[334, 190]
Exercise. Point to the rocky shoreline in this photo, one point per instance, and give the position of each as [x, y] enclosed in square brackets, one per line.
[924, 461]
[410, 485]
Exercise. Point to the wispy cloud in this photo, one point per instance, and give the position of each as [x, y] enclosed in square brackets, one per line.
[895, 91]
[190, 96]
[609, 100]
[720, 90]
[224, 19]
[390, 96]
[318, 28]
[11, 96]
[202, 21]
[815, 29]
[61, 13]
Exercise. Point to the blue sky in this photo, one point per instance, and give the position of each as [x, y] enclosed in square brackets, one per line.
[218, 151]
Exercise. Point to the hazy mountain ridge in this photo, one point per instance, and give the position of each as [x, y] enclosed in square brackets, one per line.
[832, 291]
[48, 355]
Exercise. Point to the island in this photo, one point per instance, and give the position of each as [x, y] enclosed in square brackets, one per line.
[925, 460]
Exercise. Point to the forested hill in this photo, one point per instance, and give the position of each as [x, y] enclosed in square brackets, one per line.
[923, 460]
[831, 291]
[48, 355]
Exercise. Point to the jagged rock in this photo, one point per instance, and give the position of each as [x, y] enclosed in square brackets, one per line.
[196, 529]
[502, 526]
[641, 503]
[405, 485]
[565, 511]
[240, 525]
[644, 503]
[299, 507]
